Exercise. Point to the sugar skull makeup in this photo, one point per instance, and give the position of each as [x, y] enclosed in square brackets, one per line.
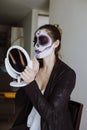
[42, 44]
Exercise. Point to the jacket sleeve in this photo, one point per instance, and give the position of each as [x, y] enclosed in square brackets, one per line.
[58, 98]
[21, 97]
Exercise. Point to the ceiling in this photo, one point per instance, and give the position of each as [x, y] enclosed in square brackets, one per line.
[12, 11]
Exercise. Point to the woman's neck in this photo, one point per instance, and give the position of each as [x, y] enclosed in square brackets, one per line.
[49, 62]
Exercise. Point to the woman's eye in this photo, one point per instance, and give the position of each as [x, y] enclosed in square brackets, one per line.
[43, 40]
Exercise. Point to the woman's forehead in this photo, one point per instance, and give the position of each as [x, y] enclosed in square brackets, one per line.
[41, 32]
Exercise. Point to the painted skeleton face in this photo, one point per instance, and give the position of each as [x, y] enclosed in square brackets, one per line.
[43, 45]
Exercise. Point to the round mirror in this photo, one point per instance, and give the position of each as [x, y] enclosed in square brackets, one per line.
[15, 62]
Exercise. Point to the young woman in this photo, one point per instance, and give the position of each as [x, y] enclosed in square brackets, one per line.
[50, 84]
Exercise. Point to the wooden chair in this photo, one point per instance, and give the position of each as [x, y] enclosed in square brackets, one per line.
[76, 113]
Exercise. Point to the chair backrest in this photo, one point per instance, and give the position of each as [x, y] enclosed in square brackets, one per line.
[76, 113]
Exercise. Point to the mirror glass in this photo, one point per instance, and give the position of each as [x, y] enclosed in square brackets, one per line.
[17, 60]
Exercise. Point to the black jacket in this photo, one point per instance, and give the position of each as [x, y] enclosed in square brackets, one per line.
[53, 105]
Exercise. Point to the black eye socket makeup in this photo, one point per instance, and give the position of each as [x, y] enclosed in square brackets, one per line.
[35, 40]
[42, 40]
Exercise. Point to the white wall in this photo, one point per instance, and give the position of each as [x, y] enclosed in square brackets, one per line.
[43, 19]
[27, 25]
[71, 15]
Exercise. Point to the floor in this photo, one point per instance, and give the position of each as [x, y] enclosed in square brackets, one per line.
[6, 121]
[5, 124]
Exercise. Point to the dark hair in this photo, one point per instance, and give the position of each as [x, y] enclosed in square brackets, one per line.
[54, 32]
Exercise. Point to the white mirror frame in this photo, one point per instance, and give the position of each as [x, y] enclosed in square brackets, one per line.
[11, 71]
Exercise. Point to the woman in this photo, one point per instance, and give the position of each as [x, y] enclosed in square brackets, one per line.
[50, 84]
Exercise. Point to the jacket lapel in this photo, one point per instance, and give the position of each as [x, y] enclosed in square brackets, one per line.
[51, 82]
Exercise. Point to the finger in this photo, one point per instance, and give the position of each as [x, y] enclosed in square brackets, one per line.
[34, 60]
[23, 75]
[28, 68]
[28, 71]
[35, 63]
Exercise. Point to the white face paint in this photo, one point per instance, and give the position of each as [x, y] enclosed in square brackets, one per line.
[43, 45]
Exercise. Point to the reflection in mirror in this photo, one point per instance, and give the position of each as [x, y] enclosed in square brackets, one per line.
[17, 60]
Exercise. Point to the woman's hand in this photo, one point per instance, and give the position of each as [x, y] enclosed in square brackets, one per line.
[29, 74]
